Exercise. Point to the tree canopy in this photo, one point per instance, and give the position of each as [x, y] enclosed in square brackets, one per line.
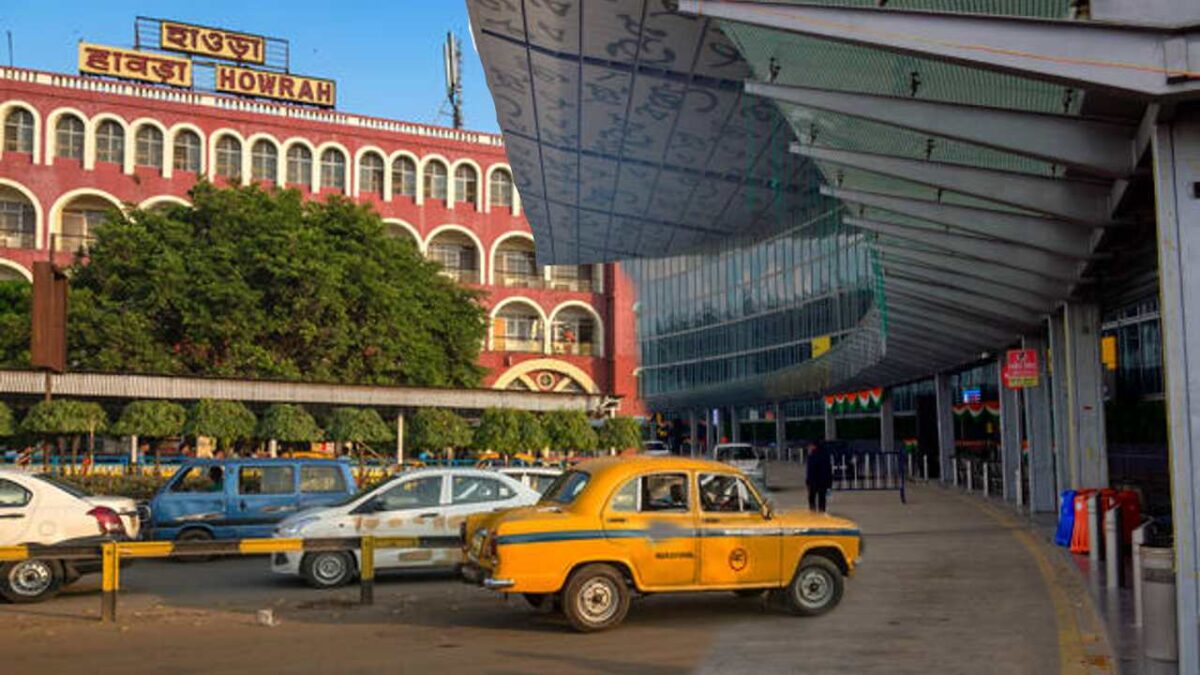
[151, 419]
[357, 425]
[226, 421]
[569, 430]
[247, 282]
[499, 431]
[434, 429]
[288, 423]
[64, 417]
[531, 434]
[7, 427]
[15, 299]
[620, 433]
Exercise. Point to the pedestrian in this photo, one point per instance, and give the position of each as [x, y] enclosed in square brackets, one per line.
[818, 476]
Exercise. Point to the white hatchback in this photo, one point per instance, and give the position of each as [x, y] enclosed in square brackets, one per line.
[537, 477]
[36, 509]
[428, 504]
[743, 457]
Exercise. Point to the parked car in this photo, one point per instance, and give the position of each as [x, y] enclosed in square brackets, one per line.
[615, 527]
[243, 498]
[537, 477]
[655, 449]
[743, 457]
[36, 509]
[429, 504]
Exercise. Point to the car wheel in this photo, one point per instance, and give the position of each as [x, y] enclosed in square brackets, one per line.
[194, 535]
[596, 598]
[28, 581]
[816, 588]
[328, 569]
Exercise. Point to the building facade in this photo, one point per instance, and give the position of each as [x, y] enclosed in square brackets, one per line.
[74, 148]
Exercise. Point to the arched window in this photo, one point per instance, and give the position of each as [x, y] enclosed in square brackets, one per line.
[404, 177]
[299, 166]
[457, 254]
[370, 174]
[501, 188]
[18, 131]
[229, 158]
[435, 180]
[68, 137]
[79, 220]
[187, 151]
[574, 331]
[516, 264]
[149, 148]
[18, 226]
[333, 170]
[517, 328]
[264, 161]
[110, 142]
[466, 184]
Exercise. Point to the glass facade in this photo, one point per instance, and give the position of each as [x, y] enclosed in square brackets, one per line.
[1139, 348]
[743, 311]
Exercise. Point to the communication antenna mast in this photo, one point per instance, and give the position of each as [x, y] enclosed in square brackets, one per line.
[452, 58]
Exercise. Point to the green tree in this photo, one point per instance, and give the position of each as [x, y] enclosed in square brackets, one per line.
[499, 431]
[620, 433]
[288, 423]
[247, 282]
[60, 419]
[569, 430]
[15, 298]
[151, 420]
[225, 421]
[7, 426]
[530, 432]
[361, 428]
[437, 429]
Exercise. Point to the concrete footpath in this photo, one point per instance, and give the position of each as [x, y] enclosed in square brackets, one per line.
[949, 584]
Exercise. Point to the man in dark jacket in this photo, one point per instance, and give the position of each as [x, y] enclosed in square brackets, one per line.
[818, 476]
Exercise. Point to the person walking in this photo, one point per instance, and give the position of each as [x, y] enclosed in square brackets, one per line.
[818, 476]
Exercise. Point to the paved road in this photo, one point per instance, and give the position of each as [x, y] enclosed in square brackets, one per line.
[946, 587]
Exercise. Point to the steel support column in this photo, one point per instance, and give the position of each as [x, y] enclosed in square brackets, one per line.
[1056, 361]
[1086, 445]
[693, 433]
[1037, 425]
[830, 425]
[1176, 148]
[887, 422]
[780, 430]
[945, 423]
[1010, 435]
[735, 425]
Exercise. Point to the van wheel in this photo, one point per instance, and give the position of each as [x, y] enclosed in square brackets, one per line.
[29, 581]
[194, 535]
[596, 598]
[328, 569]
[816, 588]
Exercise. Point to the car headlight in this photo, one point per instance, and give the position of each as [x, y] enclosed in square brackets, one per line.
[294, 528]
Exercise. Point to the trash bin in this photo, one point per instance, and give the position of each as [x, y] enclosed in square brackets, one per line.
[1066, 519]
[1158, 603]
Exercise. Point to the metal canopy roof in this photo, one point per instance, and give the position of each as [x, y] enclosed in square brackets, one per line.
[634, 130]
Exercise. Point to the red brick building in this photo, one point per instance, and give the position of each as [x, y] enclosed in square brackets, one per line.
[75, 147]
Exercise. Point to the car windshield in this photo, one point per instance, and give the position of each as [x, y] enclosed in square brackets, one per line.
[65, 487]
[566, 488]
[737, 453]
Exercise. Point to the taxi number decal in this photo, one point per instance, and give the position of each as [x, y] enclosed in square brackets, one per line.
[674, 555]
[738, 559]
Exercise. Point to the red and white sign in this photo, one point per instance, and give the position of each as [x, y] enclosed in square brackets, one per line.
[1020, 369]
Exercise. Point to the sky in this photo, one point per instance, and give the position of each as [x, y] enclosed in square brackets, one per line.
[385, 56]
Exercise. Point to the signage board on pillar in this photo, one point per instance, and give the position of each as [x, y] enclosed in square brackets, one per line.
[1020, 369]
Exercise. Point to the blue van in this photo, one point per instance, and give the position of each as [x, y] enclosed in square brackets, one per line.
[243, 498]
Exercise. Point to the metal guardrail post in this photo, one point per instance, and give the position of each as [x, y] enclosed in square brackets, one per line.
[925, 468]
[1112, 558]
[910, 465]
[110, 581]
[1017, 487]
[987, 483]
[1139, 538]
[1093, 528]
[366, 575]
[954, 466]
[970, 476]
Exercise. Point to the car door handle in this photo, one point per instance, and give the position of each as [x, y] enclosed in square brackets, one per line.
[11, 516]
[712, 520]
[428, 515]
[616, 520]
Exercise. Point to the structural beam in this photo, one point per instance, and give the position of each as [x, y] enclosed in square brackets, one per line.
[945, 423]
[1091, 146]
[1030, 301]
[1079, 201]
[923, 323]
[955, 296]
[983, 269]
[1054, 236]
[918, 297]
[1138, 61]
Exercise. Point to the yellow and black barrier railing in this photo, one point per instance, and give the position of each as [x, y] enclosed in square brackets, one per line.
[111, 553]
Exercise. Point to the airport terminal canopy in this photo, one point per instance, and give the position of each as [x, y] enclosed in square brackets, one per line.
[809, 210]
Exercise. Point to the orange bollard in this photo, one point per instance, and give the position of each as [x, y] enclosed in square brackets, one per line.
[1079, 535]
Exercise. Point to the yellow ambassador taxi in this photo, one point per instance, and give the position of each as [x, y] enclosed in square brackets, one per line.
[616, 526]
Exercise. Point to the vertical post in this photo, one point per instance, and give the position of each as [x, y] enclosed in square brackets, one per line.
[1087, 452]
[830, 424]
[1112, 559]
[110, 581]
[987, 483]
[133, 458]
[925, 467]
[780, 431]
[1056, 367]
[1010, 433]
[1176, 147]
[887, 422]
[1037, 421]
[272, 448]
[400, 439]
[1093, 526]
[1020, 494]
[735, 426]
[945, 426]
[1139, 538]
[693, 433]
[366, 574]
[954, 469]
[970, 476]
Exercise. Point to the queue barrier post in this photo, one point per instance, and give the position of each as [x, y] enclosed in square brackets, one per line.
[110, 581]
[367, 572]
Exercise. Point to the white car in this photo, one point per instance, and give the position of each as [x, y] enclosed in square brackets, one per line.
[743, 457]
[655, 449]
[429, 504]
[36, 509]
[537, 477]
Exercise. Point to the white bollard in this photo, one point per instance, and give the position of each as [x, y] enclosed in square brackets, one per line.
[1139, 538]
[970, 477]
[954, 469]
[925, 468]
[1017, 487]
[1093, 526]
[1112, 542]
[987, 483]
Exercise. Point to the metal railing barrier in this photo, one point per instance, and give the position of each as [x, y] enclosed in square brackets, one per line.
[870, 471]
